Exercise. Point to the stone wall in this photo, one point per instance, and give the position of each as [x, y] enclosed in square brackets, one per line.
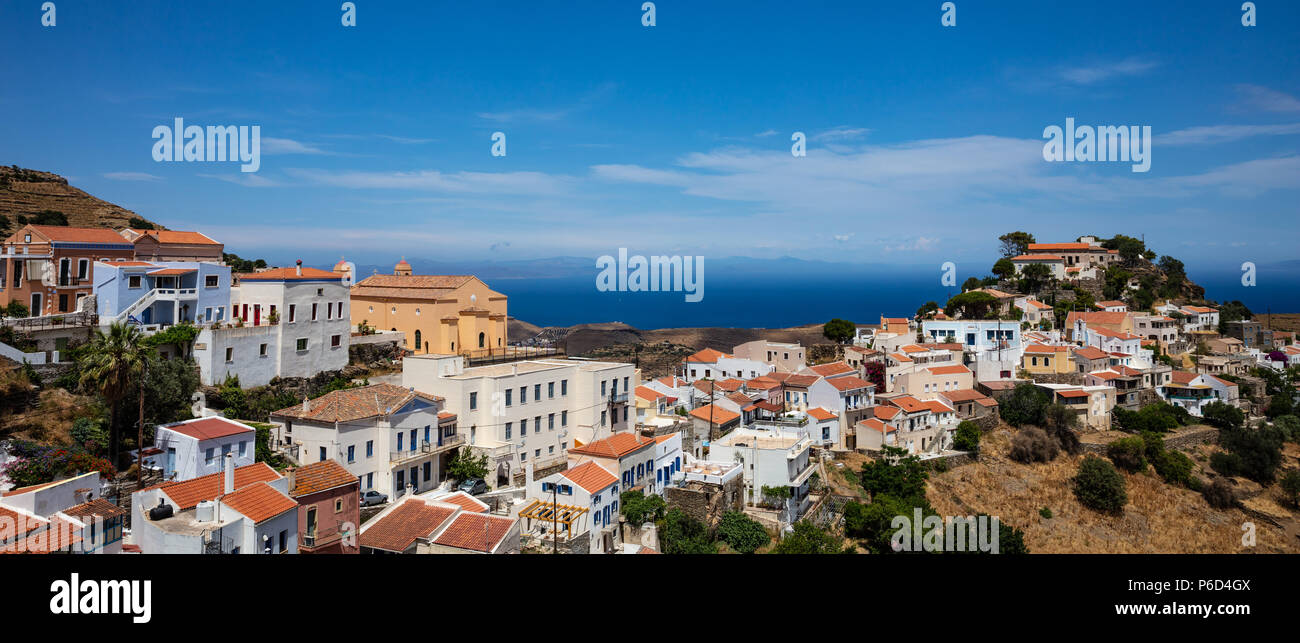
[1074, 379]
[821, 353]
[707, 502]
[1180, 440]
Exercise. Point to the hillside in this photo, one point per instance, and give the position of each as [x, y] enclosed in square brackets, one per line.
[1159, 518]
[27, 193]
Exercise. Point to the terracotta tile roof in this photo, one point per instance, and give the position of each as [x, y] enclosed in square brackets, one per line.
[956, 369]
[1198, 309]
[877, 425]
[67, 234]
[614, 446]
[352, 404]
[762, 383]
[719, 415]
[913, 348]
[590, 476]
[887, 412]
[290, 274]
[415, 518]
[649, 394]
[320, 476]
[465, 501]
[986, 401]
[671, 382]
[209, 428]
[1182, 377]
[707, 356]
[833, 368]
[908, 404]
[997, 294]
[259, 502]
[646, 550]
[177, 236]
[475, 532]
[1038, 304]
[963, 395]
[819, 413]
[189, 493]
[165, 272]
[97, 508]
[446, 415]
[900, 357]
[659, 439]
[1126, 370]
[1100, 317]
[422, 282]
[61, 535]
[801, 381]
[1105, 332]
[1090, 352]
[936, 406]
[1105, 375]
[730, 384]
[849, 383]
[1072, 393]
[22, 522]
[1040, 257]
[1220, 380]
[1059, 246]
[1110, 303]
[127, 264]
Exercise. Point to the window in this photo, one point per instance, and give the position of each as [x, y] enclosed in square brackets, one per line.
[428, 471]
[293, 312]
[508, 425]
[603, 387]
[426, 434]
[261, 350]
[550, 450]
[340, 310]
[550, 390]
[338, 505]
[209, 455]
[399, 441]
[210, 281]
[132, 281]
[413, 448]
[302, 344]
[564, 418]
[473, 401]
[550, 422]
[537, 453]
[284, 539]
[243, 448]
[523, 395]
[523, 426]
[480, 340]
[322, 454]
[523, 456]
[625, 384]
[537, 391]
[564, 387]
[313, 311]
[352, 453]
[230, 354]
[370, 481]
[537, 424]
[329, 310]
[334, 341]
[603, 416]
[508, 393]
[83, 268]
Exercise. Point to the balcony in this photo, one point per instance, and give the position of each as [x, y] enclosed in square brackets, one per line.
[176, 293]
[427, 447]
[320, 537]
[618, 398]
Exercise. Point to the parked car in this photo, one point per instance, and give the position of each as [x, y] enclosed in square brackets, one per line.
[473, 487]
[372, 497]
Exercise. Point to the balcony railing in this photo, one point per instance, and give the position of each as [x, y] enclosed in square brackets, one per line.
[426, 447]
[618, 398]
[320, 537]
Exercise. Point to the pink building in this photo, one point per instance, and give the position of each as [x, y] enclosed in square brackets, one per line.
[329, 508]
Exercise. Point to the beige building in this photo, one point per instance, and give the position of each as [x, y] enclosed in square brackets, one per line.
[440, 314]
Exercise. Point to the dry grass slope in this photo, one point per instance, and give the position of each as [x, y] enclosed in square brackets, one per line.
[1159, 518]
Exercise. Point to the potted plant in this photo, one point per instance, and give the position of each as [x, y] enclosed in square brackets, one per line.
[273, 318]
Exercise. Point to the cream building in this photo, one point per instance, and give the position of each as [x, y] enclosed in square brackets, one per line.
[439, 314]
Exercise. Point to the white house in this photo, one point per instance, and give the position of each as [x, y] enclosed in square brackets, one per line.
[717, 365]
[577, 501]
[295, 323]
[245, 510]
[668, 461]
[770, 459]
[67, 515]
[531, 411]
[193, 448]
[391, 438]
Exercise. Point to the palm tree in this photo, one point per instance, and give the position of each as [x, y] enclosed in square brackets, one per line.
[113, 362]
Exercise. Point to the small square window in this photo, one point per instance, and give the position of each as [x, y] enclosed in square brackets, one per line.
[302, 344]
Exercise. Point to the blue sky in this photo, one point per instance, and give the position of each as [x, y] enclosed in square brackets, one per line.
[924, 142]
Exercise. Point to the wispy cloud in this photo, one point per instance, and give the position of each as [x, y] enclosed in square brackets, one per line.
[841, 133]
[549, 114]
[1268, 100]
[1224, 133]
[288, 146]
[131, 176]
[514, 183]
[1093, 74]
[246, 179]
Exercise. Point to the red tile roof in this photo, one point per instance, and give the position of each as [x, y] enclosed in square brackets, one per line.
[963, 395]
[66, 234]
[399, 529]
[475, 531]
[1072, 393]
[177, 236]
[1041, 348]
[97, 508]
[320, 476]
[22, 523]
[290, 274]
[590, 476]
[819, 413]
[209, 428]
[833, 368]
[1100, 317]
[909, 404]
[719, 415]
[877, 425]
[189, 493]
[353, 404]
[849, 383]
[887, 412]
[1090, 352]
[706, 356]
[801, 381]
[648, 394]
[259, 502]
[614, 446]
[1059, 246]
[1052, 258]
[465, 501]
[956, 369]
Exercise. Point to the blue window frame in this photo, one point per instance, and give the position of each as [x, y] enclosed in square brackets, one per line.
[412, 439]
[370, 448]
[426, 433]
[473, 401]
[352, 453]
[399, 441]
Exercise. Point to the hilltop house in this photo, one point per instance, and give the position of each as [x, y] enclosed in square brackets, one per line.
[48, 268]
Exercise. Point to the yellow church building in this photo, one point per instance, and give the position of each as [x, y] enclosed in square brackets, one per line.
[441, 314]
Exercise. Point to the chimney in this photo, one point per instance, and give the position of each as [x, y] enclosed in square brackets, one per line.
[306, 408]
[229, 486]
[292, 474]
[299, 267]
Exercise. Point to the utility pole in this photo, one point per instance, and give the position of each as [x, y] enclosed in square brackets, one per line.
[555, 520]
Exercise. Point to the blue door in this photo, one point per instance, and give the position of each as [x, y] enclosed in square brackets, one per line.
[605, 516]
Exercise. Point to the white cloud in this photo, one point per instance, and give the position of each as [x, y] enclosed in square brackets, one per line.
[288, 146]
[1268, 100]
[841, 133]
[515, 183]
[1224, 133]
[1093, 74]
[131, 176]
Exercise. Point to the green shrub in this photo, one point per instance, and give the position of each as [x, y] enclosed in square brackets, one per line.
[1045, 512]
[1290, 486]
[1174, 467]
[742, 533]
[967, 437]
[1128, 454]
[1099, 486]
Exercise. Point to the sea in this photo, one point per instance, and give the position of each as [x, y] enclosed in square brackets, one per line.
[743, 298]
